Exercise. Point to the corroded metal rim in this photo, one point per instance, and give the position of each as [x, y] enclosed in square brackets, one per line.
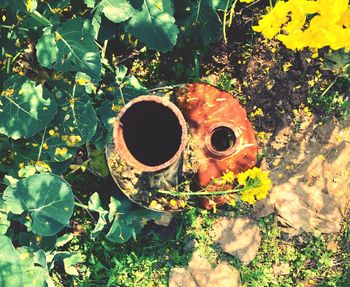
[119, 140]
[228, 151]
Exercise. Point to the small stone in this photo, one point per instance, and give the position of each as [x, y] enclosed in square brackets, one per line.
[180, 277]
[200, 273]
[305, 208]
[128, 174]
[200, 269]
[164, 219]
[239, 237]
[224, 275]
[281, 269]
[332, 246]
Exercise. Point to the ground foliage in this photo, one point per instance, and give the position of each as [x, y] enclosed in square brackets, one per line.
[67, 67]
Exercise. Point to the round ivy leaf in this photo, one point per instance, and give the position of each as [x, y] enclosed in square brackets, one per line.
[11, 274]
[25, 108]
[47, 198]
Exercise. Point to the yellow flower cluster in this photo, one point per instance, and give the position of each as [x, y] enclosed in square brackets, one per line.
[256, 184]
[71, 140]
[226, 178]
[329, 24]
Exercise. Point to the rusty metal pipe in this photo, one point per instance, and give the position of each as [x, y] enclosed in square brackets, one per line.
[150, 133]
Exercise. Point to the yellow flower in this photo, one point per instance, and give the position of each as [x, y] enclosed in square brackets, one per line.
[8, 92]
[257, 113]
[82, 81]
[247, 1]
[71, 140]
[58, 36]
[43, 165]
[256, 184]
[54, 132]
[61, 151]
[287, 66]
[329, 24]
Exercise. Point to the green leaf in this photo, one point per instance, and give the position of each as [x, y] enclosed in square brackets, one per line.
[77, 115]
[98, 162]
[33, 275]
[198, 21]
[117, 10]
[10, 265]
[221, 4]
[25, 108]
[74, 48]
[90, 3]
[74, 125]
[24, 5]
[128, 223]
[64, 239]
[338, 62]
[69, 260]
[4, 222]
[31, 240]
[46, 49]
[47, 198]
[95, 205]
[114, 205]
[120, 232]
[69, 263]
[155, 25]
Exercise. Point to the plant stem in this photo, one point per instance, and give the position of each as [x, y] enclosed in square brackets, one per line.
[164, 88]
[41, 144]
[197, 64]
[12, 27]
[81, 205]
[329, 87]
[199, 193]
[121, 95]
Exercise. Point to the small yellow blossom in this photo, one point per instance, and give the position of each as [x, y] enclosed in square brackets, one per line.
[307, 111]
[257, 113]
[42, 165]
[82, 81]
[8, 92]
[61, 151]
[232, 202]
[115, 108]
[286, 66]
[173, 203]
[262, 135]
[58, 36]
[54, 132]
[71, 140]
[322, 157]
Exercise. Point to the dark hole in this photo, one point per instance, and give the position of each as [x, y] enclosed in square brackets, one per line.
[223, 138]
[152, 132]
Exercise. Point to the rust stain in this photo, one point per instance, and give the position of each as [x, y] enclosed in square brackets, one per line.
[214, 108]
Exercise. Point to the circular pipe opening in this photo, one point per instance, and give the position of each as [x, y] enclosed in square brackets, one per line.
[222, 138]
[151, 133]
